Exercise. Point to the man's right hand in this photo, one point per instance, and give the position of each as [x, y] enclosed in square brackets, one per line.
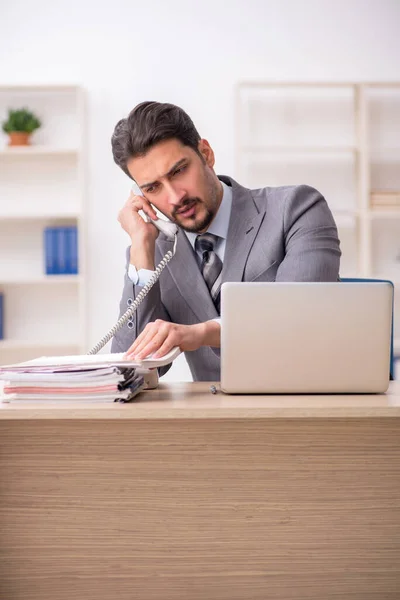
[143, 235]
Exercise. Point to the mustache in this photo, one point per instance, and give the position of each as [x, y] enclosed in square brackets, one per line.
[187, 202]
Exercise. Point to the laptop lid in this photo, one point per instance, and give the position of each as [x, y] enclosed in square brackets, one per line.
[305, 337]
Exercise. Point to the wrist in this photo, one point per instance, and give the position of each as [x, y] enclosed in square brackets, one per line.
[142, 257]
[209, 334]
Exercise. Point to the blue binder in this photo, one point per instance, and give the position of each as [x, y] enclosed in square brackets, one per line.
[61, 254]
[50, 250]
[72, 250]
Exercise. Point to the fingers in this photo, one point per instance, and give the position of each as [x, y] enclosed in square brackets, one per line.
[130, 219]
[140, 203]
[150, 345]
[156, 339]
[165, 347]
[150, 340]
[153, 347]
[142, 339]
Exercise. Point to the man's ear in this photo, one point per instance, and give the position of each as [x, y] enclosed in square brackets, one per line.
[206, 152]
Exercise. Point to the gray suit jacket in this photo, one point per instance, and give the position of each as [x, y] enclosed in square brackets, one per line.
[275, 234]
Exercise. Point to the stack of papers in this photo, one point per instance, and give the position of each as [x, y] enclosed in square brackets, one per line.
[109, 377]
[88, 384]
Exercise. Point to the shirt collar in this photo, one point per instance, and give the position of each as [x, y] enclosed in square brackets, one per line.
[220, 223]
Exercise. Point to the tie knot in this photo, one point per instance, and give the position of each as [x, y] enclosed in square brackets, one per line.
[206, 242]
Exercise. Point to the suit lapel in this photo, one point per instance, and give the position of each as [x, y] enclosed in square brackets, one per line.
[244, 224]
[186, 274]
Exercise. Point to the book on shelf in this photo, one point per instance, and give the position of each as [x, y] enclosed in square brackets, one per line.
[385, 198]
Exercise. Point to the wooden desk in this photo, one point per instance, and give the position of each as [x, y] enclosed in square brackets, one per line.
[185, 495]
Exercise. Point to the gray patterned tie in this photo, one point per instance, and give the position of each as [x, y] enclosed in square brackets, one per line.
[211, 265]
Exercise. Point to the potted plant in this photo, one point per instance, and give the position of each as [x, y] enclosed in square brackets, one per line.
[19, 126]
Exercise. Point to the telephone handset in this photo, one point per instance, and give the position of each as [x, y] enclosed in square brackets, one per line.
[166, 227]
[171, 231]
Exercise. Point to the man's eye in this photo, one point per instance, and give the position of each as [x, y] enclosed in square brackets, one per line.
[151, 189]
[180, 170]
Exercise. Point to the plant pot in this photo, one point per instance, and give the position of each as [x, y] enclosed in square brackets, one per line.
[19, 138]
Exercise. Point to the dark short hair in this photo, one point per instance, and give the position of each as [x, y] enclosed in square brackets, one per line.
[148, 124]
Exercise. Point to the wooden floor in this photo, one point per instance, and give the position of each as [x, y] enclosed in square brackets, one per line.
[250, 509]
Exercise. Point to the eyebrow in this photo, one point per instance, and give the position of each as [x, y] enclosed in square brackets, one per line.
[172, 169]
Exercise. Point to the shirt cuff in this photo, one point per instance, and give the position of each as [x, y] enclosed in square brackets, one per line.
[141, 277]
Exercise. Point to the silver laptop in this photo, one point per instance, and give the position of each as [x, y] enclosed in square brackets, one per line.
[305, 337]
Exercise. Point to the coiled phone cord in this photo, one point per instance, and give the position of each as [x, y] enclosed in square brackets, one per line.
[134, 306]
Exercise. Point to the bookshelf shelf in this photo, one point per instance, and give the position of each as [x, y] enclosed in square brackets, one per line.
[31, 151]
[40, 216]
[384, 150]
[44, 280]
[300, 149]
[42, 313]
[44, 88]
[384, 213]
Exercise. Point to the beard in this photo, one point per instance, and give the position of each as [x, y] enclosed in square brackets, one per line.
[199, 224]
[193, 224]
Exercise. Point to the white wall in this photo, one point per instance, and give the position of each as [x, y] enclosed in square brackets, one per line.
[188, 53]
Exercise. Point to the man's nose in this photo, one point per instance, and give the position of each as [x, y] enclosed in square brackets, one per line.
[175, 195]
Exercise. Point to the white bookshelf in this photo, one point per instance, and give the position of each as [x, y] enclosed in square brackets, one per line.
[344, 140]
[42, 185]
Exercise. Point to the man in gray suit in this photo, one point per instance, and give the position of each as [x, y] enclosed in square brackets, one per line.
[226, 233]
